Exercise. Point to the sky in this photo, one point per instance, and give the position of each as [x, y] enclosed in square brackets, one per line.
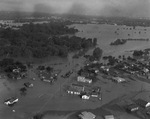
[129, 8]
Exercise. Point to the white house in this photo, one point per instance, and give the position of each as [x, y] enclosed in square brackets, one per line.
[83, 79]
[145, 70]
[86, 97]
[73, 92]
[87, 115]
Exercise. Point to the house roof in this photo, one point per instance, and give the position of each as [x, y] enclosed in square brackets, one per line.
[87, 115]
[73, 90]
[78, 85]
[109, 117]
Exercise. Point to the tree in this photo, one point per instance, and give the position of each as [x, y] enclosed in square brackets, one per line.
[97, 53]
[63, 52]
[49, 69]
[94, 41]
[23, 89]
[119, 56]
[38, 116]
[86, 44]
[6, 62]
[138, 53]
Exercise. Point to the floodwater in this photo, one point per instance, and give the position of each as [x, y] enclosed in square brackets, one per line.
[106, 34]
[44, 96]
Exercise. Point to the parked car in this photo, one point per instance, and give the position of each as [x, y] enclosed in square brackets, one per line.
[11, 101]
[29, 85]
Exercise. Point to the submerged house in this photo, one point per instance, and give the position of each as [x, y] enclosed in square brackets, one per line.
[83, 79]
[109, 117]
[76, 89]
[132, 107]
[87, 115]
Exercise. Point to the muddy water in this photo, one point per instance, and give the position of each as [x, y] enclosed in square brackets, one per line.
[42, 92]
[106, 34]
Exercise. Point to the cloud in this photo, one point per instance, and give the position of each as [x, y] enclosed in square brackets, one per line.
[90, 7]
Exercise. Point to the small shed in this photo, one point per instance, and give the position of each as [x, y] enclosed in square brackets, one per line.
[109, 117]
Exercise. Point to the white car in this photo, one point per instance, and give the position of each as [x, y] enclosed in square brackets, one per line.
[11, 101]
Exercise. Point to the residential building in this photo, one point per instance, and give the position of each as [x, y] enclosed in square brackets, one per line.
[132, 107]
[78, 87]
[11, 101]
[118, 79]
[94, 94]
[87, 115]
[86, 97]
[73, 92]
[109, 117]
[83, 79]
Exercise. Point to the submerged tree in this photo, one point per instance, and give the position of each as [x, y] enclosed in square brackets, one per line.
[97, 53]
[94, 41]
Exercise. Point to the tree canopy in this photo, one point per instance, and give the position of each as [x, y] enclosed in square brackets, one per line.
[97, 53]
[41, 40]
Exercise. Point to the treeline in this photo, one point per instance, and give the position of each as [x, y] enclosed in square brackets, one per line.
[41, 40]
[124, 21]
[138, 53]
[138, 39]
[7, 65]
[123, 41]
